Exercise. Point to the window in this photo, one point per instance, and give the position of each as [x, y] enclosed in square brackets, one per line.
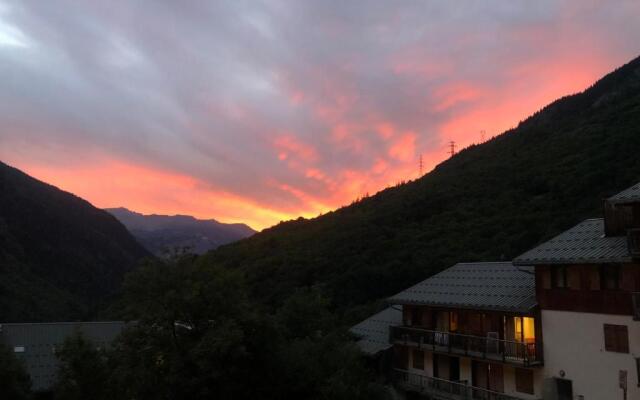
[416, 316]
[18, 349]
[559, 277]
[609, 277]
[418, 359]
[453, 321]
[616, 338]
[524, 380]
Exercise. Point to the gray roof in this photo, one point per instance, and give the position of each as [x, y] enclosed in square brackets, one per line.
[35, 344]
[499, 286]
[584, 243]
[373, 332]
[630, 195]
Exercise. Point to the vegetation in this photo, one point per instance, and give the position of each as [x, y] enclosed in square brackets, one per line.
[14, 381]
[265, 317]
[83, 372]
[60, 257]
[198, 336]
[489, 202]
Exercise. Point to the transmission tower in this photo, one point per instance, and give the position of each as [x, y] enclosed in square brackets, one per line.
[452, 148]
[420, 164]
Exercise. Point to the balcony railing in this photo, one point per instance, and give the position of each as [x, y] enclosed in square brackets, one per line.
[486, 347]
[633, 238]
[444, 389]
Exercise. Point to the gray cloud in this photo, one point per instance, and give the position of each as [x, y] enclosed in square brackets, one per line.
[232, 92]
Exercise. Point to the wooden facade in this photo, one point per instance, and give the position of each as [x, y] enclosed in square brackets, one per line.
[619, 218]
[466, 322]
[510, 338]
[591, 288]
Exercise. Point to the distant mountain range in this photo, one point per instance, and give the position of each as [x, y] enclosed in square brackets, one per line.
[60, 257]
[159, 233]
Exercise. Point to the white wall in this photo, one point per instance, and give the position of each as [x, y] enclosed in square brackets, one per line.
[574, 343]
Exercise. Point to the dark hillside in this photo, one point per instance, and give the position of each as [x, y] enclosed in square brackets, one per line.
[489, 202]
[60, 257]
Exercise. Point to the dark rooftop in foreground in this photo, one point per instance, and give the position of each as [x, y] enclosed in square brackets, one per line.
[498, 286]
[630, 195]
[35, 344]
[373, 332]
[584, 243]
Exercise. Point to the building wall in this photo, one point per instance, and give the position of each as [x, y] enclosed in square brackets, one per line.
[36, 343]
[574, 343]
[466, 375]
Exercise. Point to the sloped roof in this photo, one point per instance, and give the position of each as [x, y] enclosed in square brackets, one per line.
[35, 344]
[373, 332]
[630, 195]
[584, 243]
[498, 286]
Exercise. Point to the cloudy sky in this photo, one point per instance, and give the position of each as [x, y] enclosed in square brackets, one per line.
[261, 111]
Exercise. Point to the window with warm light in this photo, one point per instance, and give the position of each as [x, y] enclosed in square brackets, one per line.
[453, 321]
[524, 329]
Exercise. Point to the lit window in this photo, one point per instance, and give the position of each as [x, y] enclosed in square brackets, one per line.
[18, 349]
[453, 321]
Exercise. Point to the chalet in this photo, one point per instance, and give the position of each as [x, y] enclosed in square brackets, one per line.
[587, 284]
[475, 330]
[471, 331]
[35, 344]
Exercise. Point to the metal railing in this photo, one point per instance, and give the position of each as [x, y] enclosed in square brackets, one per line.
[445, 389]
[507, 351]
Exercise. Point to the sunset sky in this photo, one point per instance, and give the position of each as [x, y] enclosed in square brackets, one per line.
[262, 111]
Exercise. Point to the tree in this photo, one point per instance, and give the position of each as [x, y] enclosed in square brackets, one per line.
[195, 336]
[83, 372]
[14, 380]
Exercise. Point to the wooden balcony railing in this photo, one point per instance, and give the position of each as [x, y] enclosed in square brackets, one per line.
[507, 351]
[443, 389]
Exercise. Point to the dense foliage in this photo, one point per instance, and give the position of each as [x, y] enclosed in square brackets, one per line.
[489, 202]
[60, 257]
[14, 381]
[198, 336]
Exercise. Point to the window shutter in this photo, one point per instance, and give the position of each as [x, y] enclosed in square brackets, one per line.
[616, 338]
[524, 380]
[622, 338]
[610, 337]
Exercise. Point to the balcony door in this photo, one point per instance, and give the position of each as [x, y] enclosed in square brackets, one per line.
[488, 376]
[446, 367]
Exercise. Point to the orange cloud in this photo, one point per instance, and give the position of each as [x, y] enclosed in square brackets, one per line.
[404, 149]
[289, 145]
[114, 183]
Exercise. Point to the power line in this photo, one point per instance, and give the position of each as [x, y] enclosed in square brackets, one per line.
[452, 148]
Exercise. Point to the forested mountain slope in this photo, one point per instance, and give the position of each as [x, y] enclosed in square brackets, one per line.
[60, 257]
[489, 202]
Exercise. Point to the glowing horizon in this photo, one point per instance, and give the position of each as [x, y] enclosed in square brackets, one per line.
[257, 113]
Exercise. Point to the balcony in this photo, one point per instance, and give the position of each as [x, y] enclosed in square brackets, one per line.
[489, 348]
[633, 238]
[441, 389]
